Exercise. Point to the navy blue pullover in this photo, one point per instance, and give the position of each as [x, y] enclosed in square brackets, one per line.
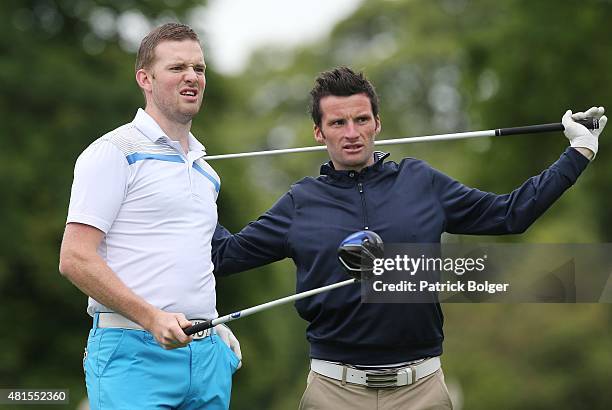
[405, 202]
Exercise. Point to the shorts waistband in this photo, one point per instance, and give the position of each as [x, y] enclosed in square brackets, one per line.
[115, 320]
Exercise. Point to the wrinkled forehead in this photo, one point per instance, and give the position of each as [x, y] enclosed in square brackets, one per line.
[183, 51]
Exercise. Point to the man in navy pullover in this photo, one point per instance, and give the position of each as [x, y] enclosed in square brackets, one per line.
[410, 202]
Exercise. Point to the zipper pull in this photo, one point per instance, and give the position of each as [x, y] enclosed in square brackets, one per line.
[360, 187]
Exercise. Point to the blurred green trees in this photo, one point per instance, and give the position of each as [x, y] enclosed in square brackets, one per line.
[439, 66]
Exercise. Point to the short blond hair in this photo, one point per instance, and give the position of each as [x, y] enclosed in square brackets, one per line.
[167, 32]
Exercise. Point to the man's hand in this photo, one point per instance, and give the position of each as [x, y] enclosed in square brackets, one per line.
[225, 333]
[167, 328]
[581, 137]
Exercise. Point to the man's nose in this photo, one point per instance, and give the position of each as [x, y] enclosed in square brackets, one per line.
[191, 75]
[351, 130]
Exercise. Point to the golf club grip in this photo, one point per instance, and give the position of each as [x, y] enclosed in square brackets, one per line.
[590, 122]
[207, 324]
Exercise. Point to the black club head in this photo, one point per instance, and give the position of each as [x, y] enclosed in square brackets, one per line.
[357, 252]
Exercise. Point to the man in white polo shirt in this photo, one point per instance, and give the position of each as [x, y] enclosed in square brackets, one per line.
[137, 242]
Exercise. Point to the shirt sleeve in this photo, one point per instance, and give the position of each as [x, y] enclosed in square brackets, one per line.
[99, 186]
[261, 242]
[471, 211]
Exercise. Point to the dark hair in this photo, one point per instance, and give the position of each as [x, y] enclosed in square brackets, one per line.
[166, 32]
[341, 82]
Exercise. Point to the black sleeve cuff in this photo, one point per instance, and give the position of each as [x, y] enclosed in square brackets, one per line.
[572, 163]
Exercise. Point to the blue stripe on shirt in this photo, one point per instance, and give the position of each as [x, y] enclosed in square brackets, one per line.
[207, 175]
[139, 156]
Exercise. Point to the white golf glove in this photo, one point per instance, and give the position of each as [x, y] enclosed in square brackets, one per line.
[225, 333]
[578, 135]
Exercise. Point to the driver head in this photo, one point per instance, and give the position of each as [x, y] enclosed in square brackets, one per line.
[357, 252]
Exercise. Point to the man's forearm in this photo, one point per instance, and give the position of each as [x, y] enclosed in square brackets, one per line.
[96, 279]
[80, 262]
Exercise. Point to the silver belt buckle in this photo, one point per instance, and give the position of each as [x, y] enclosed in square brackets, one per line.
[202, 333]
[381, 380]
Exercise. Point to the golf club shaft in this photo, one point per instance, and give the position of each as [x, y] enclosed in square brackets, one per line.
[247, 312]
[590, 123]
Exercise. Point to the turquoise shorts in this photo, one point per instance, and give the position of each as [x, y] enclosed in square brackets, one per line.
[127, 369]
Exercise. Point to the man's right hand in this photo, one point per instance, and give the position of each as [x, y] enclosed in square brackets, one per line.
[167, 328]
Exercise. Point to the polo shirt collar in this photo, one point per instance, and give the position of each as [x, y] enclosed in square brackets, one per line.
[150, 129]
[195, 145]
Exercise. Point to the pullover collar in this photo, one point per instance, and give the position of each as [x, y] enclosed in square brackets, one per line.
[351, 176]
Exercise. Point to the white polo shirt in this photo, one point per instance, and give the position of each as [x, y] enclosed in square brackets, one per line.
[157, 208]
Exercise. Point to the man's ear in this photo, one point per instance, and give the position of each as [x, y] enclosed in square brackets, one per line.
[378, 125]
[318, 134]
[143, 78]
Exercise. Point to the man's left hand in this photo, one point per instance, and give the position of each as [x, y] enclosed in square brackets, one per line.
[225, 333]
[578, 135]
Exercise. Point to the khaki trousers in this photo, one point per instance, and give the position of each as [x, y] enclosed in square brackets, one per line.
[324, 393]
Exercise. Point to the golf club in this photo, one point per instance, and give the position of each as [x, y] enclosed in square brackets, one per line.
[356, 254]
[591, 123]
